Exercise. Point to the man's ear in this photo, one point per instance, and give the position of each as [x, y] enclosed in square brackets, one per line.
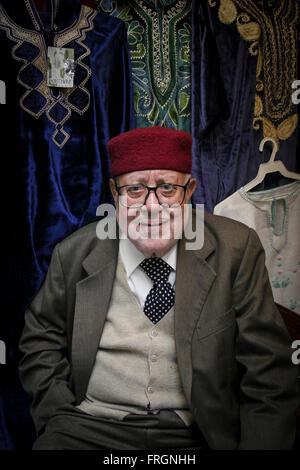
[191, 188]
[113, 189]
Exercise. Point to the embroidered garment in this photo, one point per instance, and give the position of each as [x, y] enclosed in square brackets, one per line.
[58, 162]
[275, 215]
[61, 166]
[159, 35]
[245, 58]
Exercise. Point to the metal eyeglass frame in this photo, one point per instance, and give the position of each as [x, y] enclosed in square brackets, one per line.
[152, 188]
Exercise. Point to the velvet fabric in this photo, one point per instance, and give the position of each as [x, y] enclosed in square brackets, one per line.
[226, 146]
[58, 165]
[89, 3]
[159, 37]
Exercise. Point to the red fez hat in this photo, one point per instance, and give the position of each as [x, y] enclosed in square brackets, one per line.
[150, 148]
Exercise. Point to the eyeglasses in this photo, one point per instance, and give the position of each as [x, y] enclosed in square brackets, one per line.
[136, 195]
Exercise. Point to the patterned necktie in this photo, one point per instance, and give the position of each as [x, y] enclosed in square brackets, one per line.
[161, 297]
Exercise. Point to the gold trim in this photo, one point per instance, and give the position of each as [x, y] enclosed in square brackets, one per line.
[67, 136]
[85, 24]
[32, 15]
[273, 39]
[287, 127]
[162, 79]
[258, 108]
[77, 32]
[227, 11]
[39, 62]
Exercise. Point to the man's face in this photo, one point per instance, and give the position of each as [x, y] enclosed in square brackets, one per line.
[152, 228]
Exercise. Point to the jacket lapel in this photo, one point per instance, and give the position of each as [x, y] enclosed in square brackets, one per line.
[194, 278]
[92, 300]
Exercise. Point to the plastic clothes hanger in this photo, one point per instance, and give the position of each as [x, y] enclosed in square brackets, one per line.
[270, 167]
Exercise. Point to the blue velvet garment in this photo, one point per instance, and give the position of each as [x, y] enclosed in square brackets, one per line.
[226, 145]
[58, 164]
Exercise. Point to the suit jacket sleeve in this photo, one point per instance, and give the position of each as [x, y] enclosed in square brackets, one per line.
[269, 395]
[44, 368]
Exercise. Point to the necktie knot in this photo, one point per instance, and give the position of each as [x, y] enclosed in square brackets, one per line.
[156, 268]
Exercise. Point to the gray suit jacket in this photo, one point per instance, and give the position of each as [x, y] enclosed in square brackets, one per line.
[233, 350]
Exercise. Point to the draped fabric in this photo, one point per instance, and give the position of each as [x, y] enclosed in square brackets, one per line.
[159, 37]
[58, 162]
[89, 3]
[244, 60]
[274, 214]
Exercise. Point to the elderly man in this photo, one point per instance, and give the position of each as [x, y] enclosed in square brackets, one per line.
[140, 343]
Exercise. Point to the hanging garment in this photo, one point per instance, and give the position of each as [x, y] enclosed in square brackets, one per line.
[58, 136]
[57, 164]
[245, 58]
[159, 36]
[275, 215]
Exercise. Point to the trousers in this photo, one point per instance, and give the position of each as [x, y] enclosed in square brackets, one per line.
[77, 430]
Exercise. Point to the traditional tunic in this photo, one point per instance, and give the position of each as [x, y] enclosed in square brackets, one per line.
[57, 165]
[159, 36]
[58, 136]
[275, 215]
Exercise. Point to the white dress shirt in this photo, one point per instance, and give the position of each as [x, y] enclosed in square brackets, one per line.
[138, 281]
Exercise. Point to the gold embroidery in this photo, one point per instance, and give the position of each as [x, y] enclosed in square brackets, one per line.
[32, 37]
[32, 16]
[273, 39]
[287, 127]
[77, 32]
[249, 31]
[259, 64]
[282, 132]
[258, 108]
[227, 11]
[162, 78]
[269, 129]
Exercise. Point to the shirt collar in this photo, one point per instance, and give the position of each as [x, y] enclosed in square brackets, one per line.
[132, 257]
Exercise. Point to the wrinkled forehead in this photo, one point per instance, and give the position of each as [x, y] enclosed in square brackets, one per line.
[152, 176]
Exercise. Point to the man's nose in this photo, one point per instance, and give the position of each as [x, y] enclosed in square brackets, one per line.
[151, 200]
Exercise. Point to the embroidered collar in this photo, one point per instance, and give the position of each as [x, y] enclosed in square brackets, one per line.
[30, 50]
